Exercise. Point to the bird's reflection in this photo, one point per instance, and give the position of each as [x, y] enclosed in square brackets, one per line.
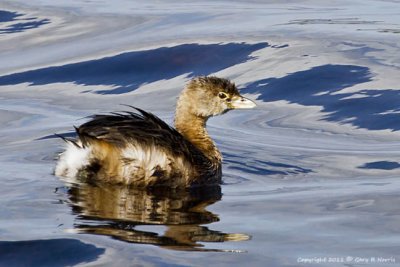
[117, 211]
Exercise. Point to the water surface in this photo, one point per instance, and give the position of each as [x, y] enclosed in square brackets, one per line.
[310, 177]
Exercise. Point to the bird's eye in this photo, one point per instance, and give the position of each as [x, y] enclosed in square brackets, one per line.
[222, 95]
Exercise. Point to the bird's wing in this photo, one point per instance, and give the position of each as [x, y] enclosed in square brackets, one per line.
[140, 127]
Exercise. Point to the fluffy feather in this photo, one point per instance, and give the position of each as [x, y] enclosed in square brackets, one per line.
[132, 148]
[74, 158]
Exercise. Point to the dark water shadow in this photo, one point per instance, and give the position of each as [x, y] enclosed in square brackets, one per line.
[50, 252]
[260, 167]
[23, 25]
[341, 21]
[117, 211]
[130, 70]
[319, 86]
[6, 16]
[381, 165]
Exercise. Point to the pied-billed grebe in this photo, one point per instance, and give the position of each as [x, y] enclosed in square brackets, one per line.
[140, 149]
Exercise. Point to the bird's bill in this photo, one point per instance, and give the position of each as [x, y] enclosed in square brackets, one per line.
[241, 102]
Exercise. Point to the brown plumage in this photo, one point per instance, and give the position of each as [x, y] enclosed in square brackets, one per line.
[138, 148]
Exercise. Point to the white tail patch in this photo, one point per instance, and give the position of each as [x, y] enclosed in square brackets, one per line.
[72, 160]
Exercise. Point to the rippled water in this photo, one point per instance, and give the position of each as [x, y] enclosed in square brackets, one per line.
[310, 177]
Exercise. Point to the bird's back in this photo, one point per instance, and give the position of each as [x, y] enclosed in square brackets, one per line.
[135, 148]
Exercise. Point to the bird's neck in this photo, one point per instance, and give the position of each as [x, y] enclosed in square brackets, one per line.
[193, 128]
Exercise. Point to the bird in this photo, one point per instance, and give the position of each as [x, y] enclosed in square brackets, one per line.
[137, 148]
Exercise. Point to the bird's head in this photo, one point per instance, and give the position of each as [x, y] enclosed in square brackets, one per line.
[211, 96]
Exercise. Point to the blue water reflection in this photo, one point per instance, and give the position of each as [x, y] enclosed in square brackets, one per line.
[6, 16]
[23, 25]
[51, 252]
[320, 86]
[381, 165]
[130, 70]
[20, 27]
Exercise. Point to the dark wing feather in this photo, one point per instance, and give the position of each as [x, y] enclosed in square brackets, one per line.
[120, 128]
[68, 140]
